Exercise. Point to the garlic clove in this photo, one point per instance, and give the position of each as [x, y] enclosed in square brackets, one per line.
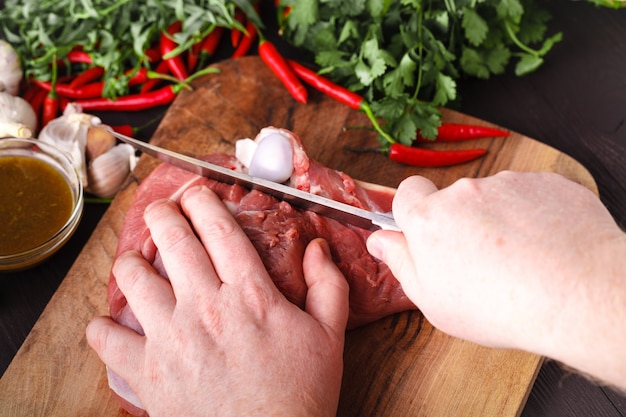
[69, 133]
[272, 159]
[244, 151]
[17, 117]
[98, 142]
[108, 172]
[10, 69]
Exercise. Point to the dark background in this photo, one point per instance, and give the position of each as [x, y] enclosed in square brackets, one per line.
[576, 103]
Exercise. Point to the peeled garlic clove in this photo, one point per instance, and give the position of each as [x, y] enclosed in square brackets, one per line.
[108, 171]
[272, 159]
[244, 151]
[98, 142]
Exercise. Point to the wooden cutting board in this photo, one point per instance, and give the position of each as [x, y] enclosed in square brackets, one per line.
[398, 366]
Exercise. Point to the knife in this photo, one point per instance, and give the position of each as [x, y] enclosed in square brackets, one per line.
[327, 207]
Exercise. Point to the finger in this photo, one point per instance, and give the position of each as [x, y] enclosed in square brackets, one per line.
[328, 290]
[149, 295]
[392, 249]
[185, 259]
[416, 186]
[234, 258]
[408, 198]
[119, 347]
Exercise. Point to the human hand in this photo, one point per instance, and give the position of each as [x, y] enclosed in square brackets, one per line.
[519, 260]
[219, 337]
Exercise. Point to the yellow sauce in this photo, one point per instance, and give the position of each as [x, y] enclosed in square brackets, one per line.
[35, 202]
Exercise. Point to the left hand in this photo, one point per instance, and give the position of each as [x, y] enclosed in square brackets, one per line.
[219, 337]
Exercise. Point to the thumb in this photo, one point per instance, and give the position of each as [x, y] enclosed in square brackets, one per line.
[328, 290]
[392, 249]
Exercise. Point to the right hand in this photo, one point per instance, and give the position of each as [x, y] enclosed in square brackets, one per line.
[519, 260]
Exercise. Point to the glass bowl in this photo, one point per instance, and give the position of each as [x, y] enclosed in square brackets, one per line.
[20, 160]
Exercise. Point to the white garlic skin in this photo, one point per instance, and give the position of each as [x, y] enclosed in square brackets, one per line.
[10, 69]
[69, 133]
[272, 159]
[17, 117]
[108, 171]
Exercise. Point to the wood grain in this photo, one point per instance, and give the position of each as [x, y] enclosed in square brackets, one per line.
[400, 365]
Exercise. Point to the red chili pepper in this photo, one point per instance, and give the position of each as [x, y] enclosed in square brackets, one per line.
[86, 91]
[153, 54]
[162, 96]
[235, 34]
[63, 102]
[453, 132]
[31, 92]
[410, 155]
[127, 130]
[87, 76]
[50, 108]
[79, 57]
[320, 83]
[246, 43]
[193, 55]
[274, 60]
[91, 90]
[209, 45]
[176, 63]
[37, 104]
[339, 93]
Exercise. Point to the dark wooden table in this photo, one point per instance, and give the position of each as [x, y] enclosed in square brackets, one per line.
[576, 103]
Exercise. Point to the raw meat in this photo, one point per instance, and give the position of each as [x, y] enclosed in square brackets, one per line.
[279, 232]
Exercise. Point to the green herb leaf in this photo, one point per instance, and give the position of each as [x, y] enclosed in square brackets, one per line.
[475, 27]
[527, 64]
[115, 33]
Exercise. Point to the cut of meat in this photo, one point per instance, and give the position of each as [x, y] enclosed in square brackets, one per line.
[279, 232]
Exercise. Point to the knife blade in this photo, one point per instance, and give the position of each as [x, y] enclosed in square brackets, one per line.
[327, 207]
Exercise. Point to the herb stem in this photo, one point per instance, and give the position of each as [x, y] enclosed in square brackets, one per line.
[516, 41]
[370, 115]
[420, 54]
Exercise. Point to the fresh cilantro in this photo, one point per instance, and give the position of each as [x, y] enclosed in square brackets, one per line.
[475, 27]
[406, 56]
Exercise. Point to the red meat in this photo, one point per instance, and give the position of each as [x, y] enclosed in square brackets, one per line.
[280, 234]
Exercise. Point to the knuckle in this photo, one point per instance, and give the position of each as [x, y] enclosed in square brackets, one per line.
[222, 227]
[174, 237]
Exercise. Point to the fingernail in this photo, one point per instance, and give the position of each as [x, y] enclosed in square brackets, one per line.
[323, 244]
[193, 190]
[375, 247]
[156, 203]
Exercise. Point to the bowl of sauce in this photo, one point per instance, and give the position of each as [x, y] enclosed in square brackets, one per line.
[41, 202]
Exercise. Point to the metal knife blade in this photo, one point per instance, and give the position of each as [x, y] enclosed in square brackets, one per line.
[341, 212]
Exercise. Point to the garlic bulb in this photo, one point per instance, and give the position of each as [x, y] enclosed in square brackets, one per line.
[10, 69]
[69, 133]
[108, 171]
[17, 117]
